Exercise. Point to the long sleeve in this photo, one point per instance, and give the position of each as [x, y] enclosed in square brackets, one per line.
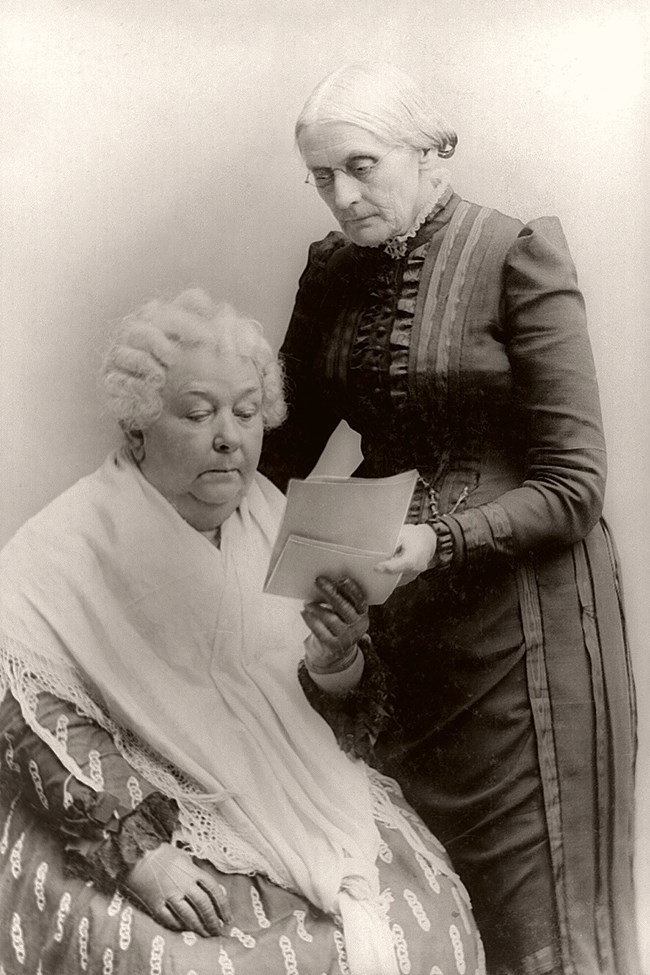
[292, 449]
[106, 828]
[555, 386]
[356, 718]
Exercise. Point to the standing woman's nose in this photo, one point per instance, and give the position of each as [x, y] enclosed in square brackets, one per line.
[227, 435]
[345, 190]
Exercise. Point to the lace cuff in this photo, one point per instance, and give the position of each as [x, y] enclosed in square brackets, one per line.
[125, 841]
[356, 718]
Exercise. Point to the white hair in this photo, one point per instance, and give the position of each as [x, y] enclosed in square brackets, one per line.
[138, 359]
[382, 99]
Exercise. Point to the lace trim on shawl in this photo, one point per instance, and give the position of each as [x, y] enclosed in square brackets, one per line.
[202, 827]
[417, 835]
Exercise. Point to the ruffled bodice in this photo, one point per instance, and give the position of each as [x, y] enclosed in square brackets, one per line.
[366, 363]
[466, 358]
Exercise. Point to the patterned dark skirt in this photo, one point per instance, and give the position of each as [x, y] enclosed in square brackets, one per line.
[54, 924]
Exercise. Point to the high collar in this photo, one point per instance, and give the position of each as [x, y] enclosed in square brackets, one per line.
[397, 246]
[349, 261]
[437, 216]
[351, 255]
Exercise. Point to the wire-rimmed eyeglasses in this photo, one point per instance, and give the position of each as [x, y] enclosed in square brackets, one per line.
[360, 168]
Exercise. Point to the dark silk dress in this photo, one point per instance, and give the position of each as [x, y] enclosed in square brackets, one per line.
[468, 359]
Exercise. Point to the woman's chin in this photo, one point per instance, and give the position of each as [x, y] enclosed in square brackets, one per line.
[205, 509]
[367, 238]
[367, 233]
[220, 499]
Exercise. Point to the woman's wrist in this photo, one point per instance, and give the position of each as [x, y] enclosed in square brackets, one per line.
[332, 665]
[444, 551]
[341, 681]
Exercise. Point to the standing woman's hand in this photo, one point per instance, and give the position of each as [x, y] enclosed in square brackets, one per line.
[416, 547]
[337, 623]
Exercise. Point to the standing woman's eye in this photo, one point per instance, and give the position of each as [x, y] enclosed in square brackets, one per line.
[197, 415]
[362, 168]
[322, 177]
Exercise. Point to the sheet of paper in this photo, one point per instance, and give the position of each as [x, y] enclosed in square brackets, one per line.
[302, 559]
[342, 454]
[354, 515]
[364, 513]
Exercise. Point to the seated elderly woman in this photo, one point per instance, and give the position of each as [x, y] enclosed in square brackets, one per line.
[173, 800]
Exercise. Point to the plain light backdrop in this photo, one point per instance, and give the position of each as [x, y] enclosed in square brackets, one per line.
[147, 146]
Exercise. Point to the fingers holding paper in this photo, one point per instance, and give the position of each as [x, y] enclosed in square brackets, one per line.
[413, 554]
[337, 622]
[346, 597]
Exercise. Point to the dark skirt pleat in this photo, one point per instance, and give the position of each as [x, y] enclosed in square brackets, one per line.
[516, 743]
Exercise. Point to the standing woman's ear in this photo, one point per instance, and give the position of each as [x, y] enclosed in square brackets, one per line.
[428, 158]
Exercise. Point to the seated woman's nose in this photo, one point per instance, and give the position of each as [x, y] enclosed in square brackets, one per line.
[223, 445]
[226, 438]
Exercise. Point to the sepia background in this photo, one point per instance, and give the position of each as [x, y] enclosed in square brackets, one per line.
[147, 146]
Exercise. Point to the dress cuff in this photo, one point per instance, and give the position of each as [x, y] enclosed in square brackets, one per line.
[125, 841]
[483, 532]
[355, 717]
[341, 681]
[449, 548]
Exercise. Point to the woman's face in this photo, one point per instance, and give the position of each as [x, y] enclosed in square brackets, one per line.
[203, 451]
[374, 190]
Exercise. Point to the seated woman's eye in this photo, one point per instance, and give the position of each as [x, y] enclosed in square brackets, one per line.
[198, 416]
[248, 412]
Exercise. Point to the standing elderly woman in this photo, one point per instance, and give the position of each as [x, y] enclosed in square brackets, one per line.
[172, 802]
[453, 339]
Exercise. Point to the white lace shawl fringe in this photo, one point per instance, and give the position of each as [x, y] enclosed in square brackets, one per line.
[203, 826]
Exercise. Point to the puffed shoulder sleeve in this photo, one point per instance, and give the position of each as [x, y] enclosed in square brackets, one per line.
[561, 496]
[292, 449]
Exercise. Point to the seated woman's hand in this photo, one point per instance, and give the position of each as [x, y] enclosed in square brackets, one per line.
[415, 549]
[337, 623]
[179, 894]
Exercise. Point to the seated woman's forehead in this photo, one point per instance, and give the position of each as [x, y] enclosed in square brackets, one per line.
[211, 368]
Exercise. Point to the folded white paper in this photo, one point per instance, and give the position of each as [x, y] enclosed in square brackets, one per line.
[337, 526]
[302, 559]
